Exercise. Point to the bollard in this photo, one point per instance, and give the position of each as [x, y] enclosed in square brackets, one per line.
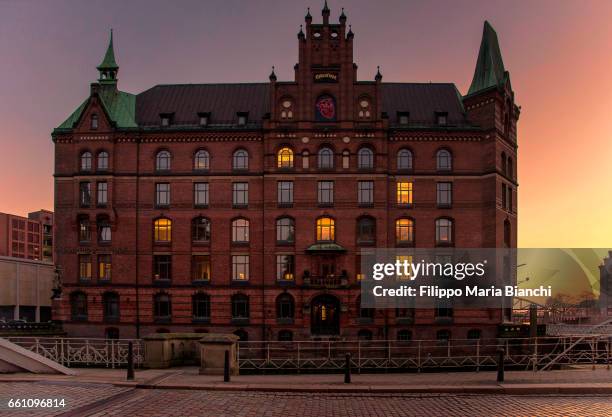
[347, 369]
[130, 362]
[500, 365]
[226, 366]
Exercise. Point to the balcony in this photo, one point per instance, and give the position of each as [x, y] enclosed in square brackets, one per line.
[326, 281]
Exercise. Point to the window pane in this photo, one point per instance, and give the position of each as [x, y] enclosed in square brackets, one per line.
[404, 159]
[240, 231]
[200, 191]
[102, 193]
[240, 193]
[365, 158]
[285, 230]
[365, 192]
[200, 229]
[444, 161]
[444, 193]
[201, 160]
[162, 161]
[285, 192]
[240, 267]
[200, 267]
[404, 231]
[285, 267]
[326, 158]
[162, 230]
[103, 160]
[404, 193]
[85, 267]
[326, 192]
[285, 158]
[162, 194]
[162, 266]
[240, 159]
[326, 230]
[104, 266]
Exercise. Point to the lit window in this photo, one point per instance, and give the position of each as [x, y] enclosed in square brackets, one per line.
[286, 111]
[325, 192]
[200, 194]
[162, 230]
[365, 158]
[444, 193]
[326, 229]
[240, 267]
[201, 161]
[404, 259]
[364, 109]
[285, 230]
[240, 194]
[404, 193]
[162, 161]
[103, 161]
[85, 267]
[285, 158]
[443, 160]
[285, 265]
[404, 159]
[240, 231]
[444, 231]
[200, 267]
[240, 160]
[162, 194]
[84, 229]
[104, 267]
[404, 231]
[86, 160]
[326, 158]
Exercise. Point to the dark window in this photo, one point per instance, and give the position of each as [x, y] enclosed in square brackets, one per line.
[444, 193]
[443, 335]
[240, 231]
[443, 160]
[403, 117]
[162, 194]
[85, 267]
[84, 229]
[240, 267]
[240, 194]
[285, 192]
[200, 267]
[201, 306]
[201, 161]
[404, 159]
[102, 193]
[326, 192]
[365, 158]
[366, 230]
[78, 306]
[346, 159]
[404, 313]
[162, 161]
[102, 161]
[441, 118]
[404, 335]
[285, 267]
[200, 194]
[111, 333]
[200, 229]
[507, 234]
[240, 160]
[85, 194]
[444, 231]
[285, 306]
[443, 309]
[162, 267]
[474, 334]
[104, 267]
[365, 192]
[242, 119]
[94, 121]
[504, 196]
[162, 307]
[243, 336]
[240, 306]
[285, 230]
[86, 160]
[326, 158]
[285, 336]
[110, 301]
[510, 168]
[364, 334]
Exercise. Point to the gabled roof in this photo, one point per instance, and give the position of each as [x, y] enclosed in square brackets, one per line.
[119, 106]
[185, 101]
[489, 71]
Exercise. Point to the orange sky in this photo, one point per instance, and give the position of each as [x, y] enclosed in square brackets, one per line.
[559, 54]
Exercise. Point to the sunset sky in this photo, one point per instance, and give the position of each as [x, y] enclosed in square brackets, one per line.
[559, 54]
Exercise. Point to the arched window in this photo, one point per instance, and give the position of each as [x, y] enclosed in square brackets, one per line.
[240, 231]
[366, 230]
[104, 229]
[443, 335]
[78, 306]
[285, 306]
[201, 160]
[284, 158]
[404, 335]
[84, 228]
[162, 161]
[326, 158]
[102, 161]
[365, 158]
[110, 302]
[404, 231]
[86, 160]
[444, 160]
[444, 231]
[200, 230]
[243, 336]
[473, 334]
[162, 230]
[285, 336]
[346, 159]
[404, 159]
[240, 306]
[364, 334]
[240, 160]
[94, 121]
[326, 229]
[507, 234]
[162, 307]
[200, 306]
[285, 230]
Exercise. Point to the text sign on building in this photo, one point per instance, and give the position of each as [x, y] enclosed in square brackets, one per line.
[326, 77]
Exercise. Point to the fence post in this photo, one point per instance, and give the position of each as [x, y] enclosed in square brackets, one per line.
[347, 369]
[130, 361]
[477, 355]
[359, 357]
[595, 348]
[419, 357]
[500, 365]
[298, 357]
[226, 370]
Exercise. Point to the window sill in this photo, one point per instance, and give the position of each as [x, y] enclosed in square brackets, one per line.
[405, 320]
[444, 244]
[405, 206]
[201, 171]
[365, 205]
[200, 206]
[405, 244]
[164, 320]
[162, 206]
[240, 320]
[240, 206]
[201, 282]
[284, 243]
[241, 244]
[285, 282]
[202, 320]
[104, 242]
[200, 243]
[444, 206]
[85, 281]
[285, 205]
[161, 282]
[78, 318]
[284, 320]
[365, 320]
[104, 281]
[443, 320]
[325, 205]
[241, 282]
[111, 319]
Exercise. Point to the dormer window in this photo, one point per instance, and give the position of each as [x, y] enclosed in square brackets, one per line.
[441, 118]
[242, 119]
[166, 119]
[204, 118]
[94, 121]
[403, 117]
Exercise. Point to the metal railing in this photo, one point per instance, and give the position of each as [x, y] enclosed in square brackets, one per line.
[78, 352]
[418, 355]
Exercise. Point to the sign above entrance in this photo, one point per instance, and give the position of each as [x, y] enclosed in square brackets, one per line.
[326, 77]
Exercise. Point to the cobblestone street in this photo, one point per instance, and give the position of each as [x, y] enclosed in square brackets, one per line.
[103, 400]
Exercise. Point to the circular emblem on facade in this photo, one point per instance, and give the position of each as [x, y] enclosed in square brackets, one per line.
[346, 139]
[305, 139]
[286, 104]
[325, 108]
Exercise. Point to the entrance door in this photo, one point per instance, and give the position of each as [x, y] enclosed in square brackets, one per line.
[325, 315]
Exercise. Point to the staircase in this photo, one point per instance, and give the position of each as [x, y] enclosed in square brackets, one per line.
[14, 358]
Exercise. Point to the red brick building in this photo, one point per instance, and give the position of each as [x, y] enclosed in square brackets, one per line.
[243, 207]
[27, 237]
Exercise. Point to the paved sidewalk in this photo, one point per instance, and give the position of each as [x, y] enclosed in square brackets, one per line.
[572, 381]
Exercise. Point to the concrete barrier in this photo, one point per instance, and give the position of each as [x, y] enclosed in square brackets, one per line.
[212, 353]
[164, 350]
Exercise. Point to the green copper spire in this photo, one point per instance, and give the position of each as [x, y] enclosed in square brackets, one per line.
[489, 70]
[108, 67]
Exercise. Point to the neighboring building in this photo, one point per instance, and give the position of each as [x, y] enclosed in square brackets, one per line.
[27, 237]
[605, 286]
[26, 289]
[243, 207]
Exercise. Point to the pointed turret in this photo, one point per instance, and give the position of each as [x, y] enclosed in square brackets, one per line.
[108, 68]
[490, 69]
[272, 75]
[325, 13]
[342, 18]
[378, 76]
[308, 17]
